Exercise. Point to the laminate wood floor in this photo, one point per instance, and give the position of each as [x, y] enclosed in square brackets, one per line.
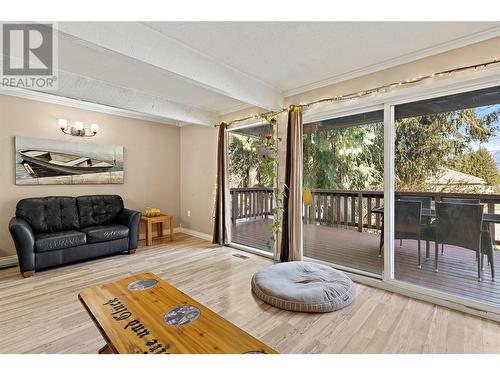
[42, 314]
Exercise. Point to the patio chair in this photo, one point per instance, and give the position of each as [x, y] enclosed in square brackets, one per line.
[426, 203]
[408, 223]
[460, 225]
[487, 249]
[459, 201]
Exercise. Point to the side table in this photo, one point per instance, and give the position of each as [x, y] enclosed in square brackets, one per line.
[159, 221]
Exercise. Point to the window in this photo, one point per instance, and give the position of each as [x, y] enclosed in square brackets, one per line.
[343, 181]
[447, 152]
[252, 175]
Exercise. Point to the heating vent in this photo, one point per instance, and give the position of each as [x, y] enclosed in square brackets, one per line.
[240, 256]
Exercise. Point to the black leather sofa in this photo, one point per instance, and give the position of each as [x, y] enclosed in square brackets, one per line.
[52, 231]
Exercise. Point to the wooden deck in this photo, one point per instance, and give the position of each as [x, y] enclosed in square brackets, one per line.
[253, 233]
[457, 267]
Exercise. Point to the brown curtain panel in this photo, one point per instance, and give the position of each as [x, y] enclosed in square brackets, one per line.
[291, 239]
[221, 233]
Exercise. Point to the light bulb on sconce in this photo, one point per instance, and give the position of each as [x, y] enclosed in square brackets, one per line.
[79, 125]
[63, 123]
[78, 129]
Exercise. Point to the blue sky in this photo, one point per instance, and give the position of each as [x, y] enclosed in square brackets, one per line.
[494, 143]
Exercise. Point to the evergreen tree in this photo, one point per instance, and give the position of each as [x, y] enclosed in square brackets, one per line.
[478, 163]
[351, 158]
[247, 166]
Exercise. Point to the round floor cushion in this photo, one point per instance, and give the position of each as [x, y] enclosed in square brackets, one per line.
[303, 286]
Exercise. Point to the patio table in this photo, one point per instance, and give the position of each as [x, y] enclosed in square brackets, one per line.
[488, 218]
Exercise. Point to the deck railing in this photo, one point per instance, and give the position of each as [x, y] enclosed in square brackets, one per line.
[344, 208]
[248, 203]
[350, 208]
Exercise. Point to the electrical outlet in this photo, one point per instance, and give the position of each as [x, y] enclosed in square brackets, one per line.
[189, 213]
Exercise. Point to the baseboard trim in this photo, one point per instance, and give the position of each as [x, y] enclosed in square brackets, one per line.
[194, 233]
[8, 261]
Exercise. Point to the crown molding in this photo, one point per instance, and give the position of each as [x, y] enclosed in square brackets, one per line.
[404, 59]
[80, 104]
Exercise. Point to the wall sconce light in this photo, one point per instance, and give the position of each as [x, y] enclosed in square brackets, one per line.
[78, 129]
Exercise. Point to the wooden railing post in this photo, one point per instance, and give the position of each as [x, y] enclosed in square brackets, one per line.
[266, 204]
[360, 212]
[491, 210]
[369, 211]
[271, 202]
[353, 211]
[377, 217]
[234, 204]
[241, 199]
[346, 211]
[310, 209]
[332, 209]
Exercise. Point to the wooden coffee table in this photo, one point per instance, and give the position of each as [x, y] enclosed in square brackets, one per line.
[144, 314]
[159, 221]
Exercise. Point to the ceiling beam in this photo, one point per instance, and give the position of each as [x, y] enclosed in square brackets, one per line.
[156, 49]
[86, 89]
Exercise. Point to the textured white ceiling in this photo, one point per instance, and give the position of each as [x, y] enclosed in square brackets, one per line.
[217, 67]
[98, 63]
[288, 55]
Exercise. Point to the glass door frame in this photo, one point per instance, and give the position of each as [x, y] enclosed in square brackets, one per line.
[432, 295]
[338, 112]
[388, 102]
[268, 254]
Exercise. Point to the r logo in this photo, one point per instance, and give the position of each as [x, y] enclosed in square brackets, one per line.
[28, 49]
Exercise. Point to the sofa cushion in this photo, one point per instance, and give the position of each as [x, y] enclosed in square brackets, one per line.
[59, 240]
[102, 233]
[49, 214]
[98, 209]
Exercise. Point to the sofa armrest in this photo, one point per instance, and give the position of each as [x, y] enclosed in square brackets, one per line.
[131, 219]
[24, 240]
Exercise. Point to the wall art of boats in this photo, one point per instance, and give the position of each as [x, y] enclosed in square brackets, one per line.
[63, 163]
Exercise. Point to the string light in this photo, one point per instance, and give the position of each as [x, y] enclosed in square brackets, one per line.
[363, 93]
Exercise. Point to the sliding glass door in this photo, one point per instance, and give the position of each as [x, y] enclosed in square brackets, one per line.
[447, 183]
[423, 173]
[252, 175]
[343, 183]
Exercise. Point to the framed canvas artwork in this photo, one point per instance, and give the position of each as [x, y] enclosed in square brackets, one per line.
[52, 162]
